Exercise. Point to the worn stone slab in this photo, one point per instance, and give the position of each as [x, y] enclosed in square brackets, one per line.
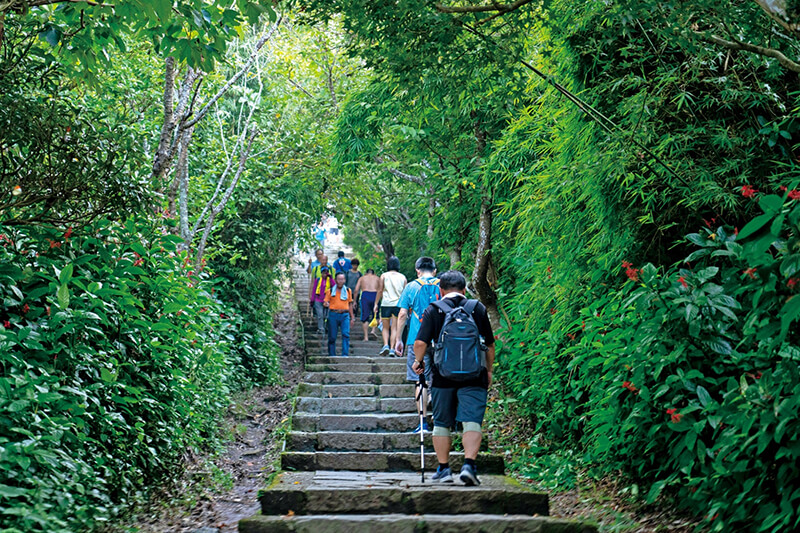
[396, 391]
[383, 461]
[400, 523]
[329, 492]
[399, 367]
[339, 405]
[400, 422]
[365, 359]
[337, 391]
[342, 378]
[302, 441]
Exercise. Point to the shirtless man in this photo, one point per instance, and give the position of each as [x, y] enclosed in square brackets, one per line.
[367, 287]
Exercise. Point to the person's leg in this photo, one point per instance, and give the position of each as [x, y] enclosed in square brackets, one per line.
[385, 332]
[345, 334]
[333, 326]
[365, 327]
[319, 308]
[471, 406]
[443, 420]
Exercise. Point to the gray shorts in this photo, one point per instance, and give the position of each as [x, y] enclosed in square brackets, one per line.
[428, 360]
[465, 404]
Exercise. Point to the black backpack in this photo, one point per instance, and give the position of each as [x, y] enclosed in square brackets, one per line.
[458, 354]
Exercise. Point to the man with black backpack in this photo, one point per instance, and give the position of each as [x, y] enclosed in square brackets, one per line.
[416, 297]
[463, 358]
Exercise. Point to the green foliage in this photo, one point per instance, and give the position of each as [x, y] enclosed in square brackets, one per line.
[687, 379]
[116, 358]
[81, 34]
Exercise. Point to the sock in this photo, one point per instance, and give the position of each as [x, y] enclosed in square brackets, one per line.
[442, 466]
[470, 462]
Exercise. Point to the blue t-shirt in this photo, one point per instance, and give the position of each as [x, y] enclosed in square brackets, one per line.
[342, 264]
[409, 300]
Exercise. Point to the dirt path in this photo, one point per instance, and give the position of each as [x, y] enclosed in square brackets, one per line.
[249, 459]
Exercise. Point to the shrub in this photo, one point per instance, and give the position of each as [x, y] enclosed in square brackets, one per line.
[115, 360]
[687, 378]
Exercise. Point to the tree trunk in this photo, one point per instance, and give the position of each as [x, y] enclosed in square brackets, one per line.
[483, 254]
[483, 259]
[385, 238]
[455, 255]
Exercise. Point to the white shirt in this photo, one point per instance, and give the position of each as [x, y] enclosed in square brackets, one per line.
[393, 284]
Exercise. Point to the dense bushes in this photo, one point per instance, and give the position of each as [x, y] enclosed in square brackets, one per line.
[115, 359]
[687, 378]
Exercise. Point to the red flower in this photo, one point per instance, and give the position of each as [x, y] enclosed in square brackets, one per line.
[736, 232]
[675, 417]
[47, 310]
[792, 283]
[633, 273]
[627, 264]
[190, 274]
[553, 310]
[571, 336]
[630, 386]
[751, 272]
[794, 194]
[782, 188]
[138, 262]
[26, 308]
[54, 244]
[6, 324]
[68, 233]
[748, 191]
[682, 281]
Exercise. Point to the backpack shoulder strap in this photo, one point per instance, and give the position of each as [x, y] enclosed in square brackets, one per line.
[470, 306]
[443, 305]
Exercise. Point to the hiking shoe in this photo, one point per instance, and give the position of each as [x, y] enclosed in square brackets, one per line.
[469, 476]
[425, 428]
[442, 475]
[385, 350]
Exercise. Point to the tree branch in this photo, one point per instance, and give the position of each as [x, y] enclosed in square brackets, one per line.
[249, 63]
[490, 8]
[402, 175]
[747, 47]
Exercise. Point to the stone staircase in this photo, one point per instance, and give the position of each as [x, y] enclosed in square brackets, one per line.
[351, 463]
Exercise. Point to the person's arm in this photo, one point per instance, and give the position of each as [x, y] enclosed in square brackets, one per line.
[311, 291]
[402, 317]
[357, 290]
[485, 329]
[379, 295]
[424, 339]
[327, 302]
[308, 268]
[351, 306]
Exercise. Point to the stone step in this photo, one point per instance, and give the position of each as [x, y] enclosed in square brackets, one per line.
[324, 359]
[332, 492]
[312, 390]
[382, 461]
[334, 441]
[402, 523]
[342, 378]
[380, 422]
[359, 367]
[354, 405]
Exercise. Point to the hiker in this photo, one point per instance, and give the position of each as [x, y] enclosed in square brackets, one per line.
[391, 285]
[339, 302]
[416, 297]
[351, 282]
[323, 262]
[458, 393]
[342, 264]
[367, 291]
[319, 288]
[319, 234]
[318, 253]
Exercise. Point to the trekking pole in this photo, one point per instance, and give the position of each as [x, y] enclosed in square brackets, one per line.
[420, 405]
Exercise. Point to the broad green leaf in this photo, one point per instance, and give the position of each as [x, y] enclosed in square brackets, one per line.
[62, 295]
[754, 226]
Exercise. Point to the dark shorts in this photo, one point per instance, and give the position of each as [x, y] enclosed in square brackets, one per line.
[389, 312]
[465, 404]
[367, 305]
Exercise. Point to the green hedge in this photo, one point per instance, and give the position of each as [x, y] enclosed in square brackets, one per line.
[116, 358]
[687, 378]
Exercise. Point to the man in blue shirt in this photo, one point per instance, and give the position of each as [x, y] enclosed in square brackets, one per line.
[342, 264]
[416, 297]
